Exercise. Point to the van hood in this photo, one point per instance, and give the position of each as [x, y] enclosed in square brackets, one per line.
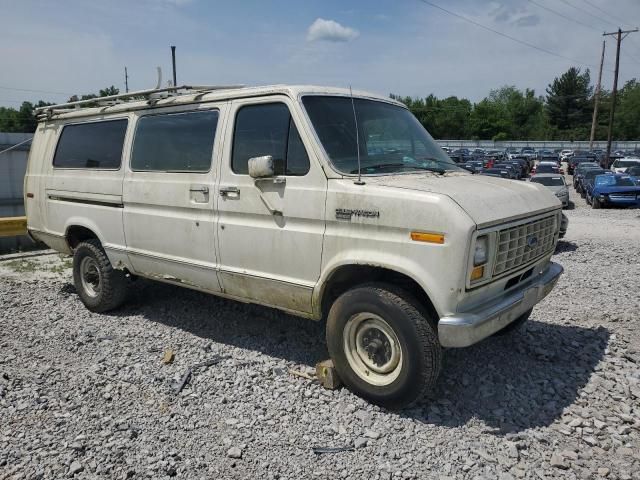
[487, 200]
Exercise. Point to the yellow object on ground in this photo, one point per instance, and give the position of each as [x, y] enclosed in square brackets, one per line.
[13, 226]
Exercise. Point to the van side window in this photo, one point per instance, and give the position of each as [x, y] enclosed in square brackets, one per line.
[176, 142]
[91, 145]
[268, 129]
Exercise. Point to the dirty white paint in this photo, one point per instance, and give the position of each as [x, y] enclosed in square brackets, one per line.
[272, 241]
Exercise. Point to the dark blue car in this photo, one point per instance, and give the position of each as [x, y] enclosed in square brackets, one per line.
[610, 190]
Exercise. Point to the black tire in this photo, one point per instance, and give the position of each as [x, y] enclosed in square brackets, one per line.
[111, 285]
[416, 334]
[515, 325]
[595, 203]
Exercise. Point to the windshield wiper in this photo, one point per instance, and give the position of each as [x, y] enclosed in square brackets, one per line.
[400, 165]
[432, 159]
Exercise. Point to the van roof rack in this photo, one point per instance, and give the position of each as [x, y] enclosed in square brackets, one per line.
[49, 110]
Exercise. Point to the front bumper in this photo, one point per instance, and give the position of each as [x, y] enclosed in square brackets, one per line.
[467, 328]
[630, 202]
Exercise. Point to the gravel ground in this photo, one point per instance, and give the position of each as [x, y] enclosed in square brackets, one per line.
[86, 395]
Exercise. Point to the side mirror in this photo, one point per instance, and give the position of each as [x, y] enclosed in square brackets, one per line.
[261, 167]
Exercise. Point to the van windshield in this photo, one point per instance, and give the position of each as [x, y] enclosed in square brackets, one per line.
[391, 138]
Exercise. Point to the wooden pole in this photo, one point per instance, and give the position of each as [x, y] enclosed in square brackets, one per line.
[594, 121]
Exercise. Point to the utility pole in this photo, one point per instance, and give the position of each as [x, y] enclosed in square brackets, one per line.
[597, 99]
[173, 61]
[619, 34]
[126, 80]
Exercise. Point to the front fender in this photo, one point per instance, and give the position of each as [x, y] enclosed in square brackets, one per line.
[439, 284]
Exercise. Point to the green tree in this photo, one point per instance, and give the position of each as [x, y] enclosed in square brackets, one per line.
[443, 118]
[105, 92]
[569, 103]
[489, 120]
[627, 120]
[21, 120]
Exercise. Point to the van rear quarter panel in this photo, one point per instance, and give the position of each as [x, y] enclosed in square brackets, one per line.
[35, 176]
[86, 197]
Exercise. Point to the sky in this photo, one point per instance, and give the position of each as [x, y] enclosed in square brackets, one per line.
[405, 47]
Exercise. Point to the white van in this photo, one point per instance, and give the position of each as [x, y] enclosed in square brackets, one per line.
[325, 204]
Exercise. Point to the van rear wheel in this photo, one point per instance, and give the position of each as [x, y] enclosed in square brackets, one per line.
[384, 347]
[99, 285]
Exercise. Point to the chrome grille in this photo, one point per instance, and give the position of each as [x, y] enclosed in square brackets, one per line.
[519, 245]
[623, 196]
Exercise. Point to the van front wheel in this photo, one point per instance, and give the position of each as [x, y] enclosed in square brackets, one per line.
[383, 345]
[99, 285]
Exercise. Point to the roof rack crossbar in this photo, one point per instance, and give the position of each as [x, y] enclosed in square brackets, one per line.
[139, 93]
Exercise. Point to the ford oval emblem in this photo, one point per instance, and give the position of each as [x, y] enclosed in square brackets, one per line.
[532, 241]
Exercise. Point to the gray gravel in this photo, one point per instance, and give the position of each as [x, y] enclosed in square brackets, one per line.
[86, 395]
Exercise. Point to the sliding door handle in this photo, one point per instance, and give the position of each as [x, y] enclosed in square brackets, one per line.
[226, 191]
[204, 190]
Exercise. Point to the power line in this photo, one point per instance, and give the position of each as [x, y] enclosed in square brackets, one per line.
[578, 22]
[585, 11]
[34, 91]
[617, 19]
[514, 39]
[564, 16]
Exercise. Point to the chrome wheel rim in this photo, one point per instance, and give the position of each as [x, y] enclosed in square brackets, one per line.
[90, 276]
[372, 349]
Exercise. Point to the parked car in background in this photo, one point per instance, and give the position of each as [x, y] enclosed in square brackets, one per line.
[511, 152]
[547, 167]
[520, 165]
[513, 172]
[556, 184]
[588, 176]
[461, 155]
[614, 190]
[496, 172]
[574, 161]
[634, 173]
[579, 172]
[494, 156]
[612, 158]
[474, 166]
[566, 154]
[529, 153]
[548, 156]
[620, 165]
[478, 152]
[524, 164]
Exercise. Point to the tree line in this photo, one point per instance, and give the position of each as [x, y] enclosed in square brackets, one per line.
[507, 113]
[23, 119]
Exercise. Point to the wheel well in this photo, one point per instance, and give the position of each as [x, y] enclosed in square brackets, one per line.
[76, 234]
[349, 276]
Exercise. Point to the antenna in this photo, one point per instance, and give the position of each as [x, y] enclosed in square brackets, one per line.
[173, 62]
[355, 119]
[159, 70]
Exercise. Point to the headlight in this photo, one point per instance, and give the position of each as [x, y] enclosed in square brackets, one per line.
[481, 254]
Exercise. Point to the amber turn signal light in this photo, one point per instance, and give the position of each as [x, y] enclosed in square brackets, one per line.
[428, 237]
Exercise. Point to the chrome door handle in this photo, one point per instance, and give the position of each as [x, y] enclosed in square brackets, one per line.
[204, 190]
[224, 191]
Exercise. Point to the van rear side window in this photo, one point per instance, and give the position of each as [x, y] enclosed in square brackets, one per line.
[175, 142]
[91, 145]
